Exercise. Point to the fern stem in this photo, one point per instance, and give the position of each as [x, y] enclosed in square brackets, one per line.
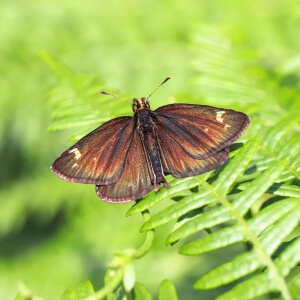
[265, 258]
[146, 246]
[109, 287]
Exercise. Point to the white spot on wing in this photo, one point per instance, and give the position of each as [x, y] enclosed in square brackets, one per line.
[206, 129]
[226, 126]
[219, 116]
[75, 165]
[76, 152]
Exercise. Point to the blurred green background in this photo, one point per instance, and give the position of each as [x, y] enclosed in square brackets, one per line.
[55, 234]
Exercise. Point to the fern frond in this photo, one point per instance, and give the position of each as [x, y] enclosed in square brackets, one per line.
[257, 258]
[264, 283]
[76, 102]
[234, 234]
[218, 67]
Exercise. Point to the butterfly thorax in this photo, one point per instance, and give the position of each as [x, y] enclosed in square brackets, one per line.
[143, 115]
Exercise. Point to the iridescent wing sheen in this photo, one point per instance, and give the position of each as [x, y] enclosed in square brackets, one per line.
[99, 157]
[135, 180]
[201, 131]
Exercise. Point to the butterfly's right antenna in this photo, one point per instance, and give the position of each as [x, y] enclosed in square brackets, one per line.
[108, 94]
[168, 78]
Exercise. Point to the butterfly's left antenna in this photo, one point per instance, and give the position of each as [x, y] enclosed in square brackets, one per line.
[108, 94]
[168, 78]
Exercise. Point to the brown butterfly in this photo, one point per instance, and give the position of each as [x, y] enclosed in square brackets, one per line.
[127, 157]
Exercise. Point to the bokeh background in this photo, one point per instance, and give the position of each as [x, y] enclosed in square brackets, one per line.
[54, 234]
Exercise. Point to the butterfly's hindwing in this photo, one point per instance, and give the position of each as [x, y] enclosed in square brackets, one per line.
[177, 162]
[135, 181]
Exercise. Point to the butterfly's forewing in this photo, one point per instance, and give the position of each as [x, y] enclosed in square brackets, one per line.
[202, 131]
[99, 157]
[135, 181]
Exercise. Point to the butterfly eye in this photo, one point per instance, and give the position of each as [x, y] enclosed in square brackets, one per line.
[147, 105]
[134, 107]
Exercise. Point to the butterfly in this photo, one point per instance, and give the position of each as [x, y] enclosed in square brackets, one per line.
[128, 157]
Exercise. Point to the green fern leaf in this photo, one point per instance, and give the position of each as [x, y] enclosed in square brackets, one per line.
[279, 189]
[85, 290]
[19, 296]
[140, 292]
[167, 291]
[69, 294]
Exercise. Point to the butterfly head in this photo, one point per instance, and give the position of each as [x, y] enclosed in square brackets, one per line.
[139, 104]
